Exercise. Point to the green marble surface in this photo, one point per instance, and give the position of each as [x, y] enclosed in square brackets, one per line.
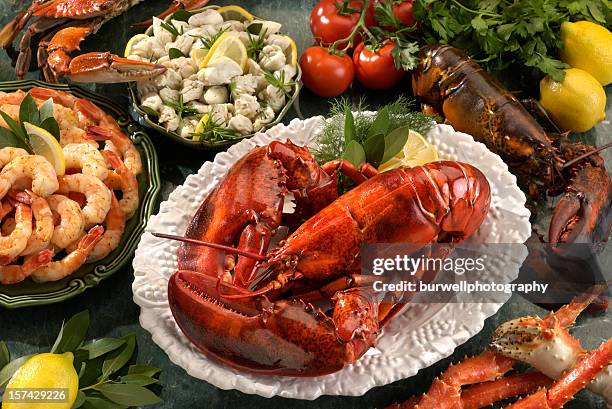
[114, 314]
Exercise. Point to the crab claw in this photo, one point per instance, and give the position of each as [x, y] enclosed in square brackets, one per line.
[108, 68]
[584, 213]
[176, 5]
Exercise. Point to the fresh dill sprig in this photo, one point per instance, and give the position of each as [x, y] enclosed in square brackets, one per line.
[331, 143]
[256, 45]
[181, 109]
[213, 132]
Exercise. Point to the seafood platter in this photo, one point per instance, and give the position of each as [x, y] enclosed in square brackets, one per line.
[439, 126]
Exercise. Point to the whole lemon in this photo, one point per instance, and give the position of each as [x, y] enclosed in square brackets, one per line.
[46, 371]
[588, 46]
[575, 104]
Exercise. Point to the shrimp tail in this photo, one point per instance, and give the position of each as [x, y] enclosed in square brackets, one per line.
[89, 241]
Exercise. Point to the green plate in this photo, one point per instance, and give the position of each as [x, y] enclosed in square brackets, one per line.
[29, 293]
[145, 120]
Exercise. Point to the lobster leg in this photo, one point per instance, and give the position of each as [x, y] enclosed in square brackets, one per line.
[254, 238]
[347, 168]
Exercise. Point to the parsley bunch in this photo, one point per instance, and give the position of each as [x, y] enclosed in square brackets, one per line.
[518, 36]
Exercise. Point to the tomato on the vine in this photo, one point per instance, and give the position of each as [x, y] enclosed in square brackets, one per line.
[332, 20]
[376, 69]
[402, 11]
[327, 75]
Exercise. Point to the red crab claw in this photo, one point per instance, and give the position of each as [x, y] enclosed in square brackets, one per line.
[584, 212]
[176, 5]
[108, 68]
[281, 338]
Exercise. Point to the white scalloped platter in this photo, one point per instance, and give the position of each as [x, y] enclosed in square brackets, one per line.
[420, 336]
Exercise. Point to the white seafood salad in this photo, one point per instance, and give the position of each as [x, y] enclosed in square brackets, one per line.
[228, 74]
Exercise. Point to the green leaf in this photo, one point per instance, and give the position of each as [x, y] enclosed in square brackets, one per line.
[120, 357]
[102, 346]
[374, 148]
[175, 53]
[91, 372]
[349, 127]
[51, 126]
[255, 28]
[72, 333]
[7, 372]
[479, 23]
[9, 139]
[149, 111]
[92, 402]
[354, 153]
[140, 380]
[181, 15]
[129, 395]
[28, 111]
[80, 400]
[46, 110]
[394, 142]
[380, 124]
[145, 370]
[5, 355]
[16, 129]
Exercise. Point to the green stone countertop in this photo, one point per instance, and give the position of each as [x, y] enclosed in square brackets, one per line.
[114, 314]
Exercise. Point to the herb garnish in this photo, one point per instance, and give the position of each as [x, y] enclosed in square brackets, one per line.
[181, 109]
[16, 135]
[107, 376]
[256, 45]
[208, 41]
[356, 136]
[508, 34]
[212, 131]
[279, 82]
[171, 28]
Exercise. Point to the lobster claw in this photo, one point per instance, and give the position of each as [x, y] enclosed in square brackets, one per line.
[104, 67]
[282, 338]
[583, 214]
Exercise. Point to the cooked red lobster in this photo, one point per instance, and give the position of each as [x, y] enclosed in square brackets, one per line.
[453, 85]
[251, 309]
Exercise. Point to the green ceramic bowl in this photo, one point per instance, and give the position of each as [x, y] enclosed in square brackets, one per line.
[29, 293]
[146, 120]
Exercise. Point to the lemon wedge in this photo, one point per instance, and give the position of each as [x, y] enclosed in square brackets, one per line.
[227, 45]
[235, 13]
[417, 151]
[198, 55]
[132, 42]
[200, 128]
[293, 52]
[45, 371]
[45, 144]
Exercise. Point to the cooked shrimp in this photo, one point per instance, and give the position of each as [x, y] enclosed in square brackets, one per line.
[71, 224]
[121, 144]
[8, 154]
[12, 98]
[73, 261]
[5, 208]
[114, 225]
[42, 230]
[97, 196]
[14, 243]
[14, 274]
[123, 179]
[86, 158]
[34, 167]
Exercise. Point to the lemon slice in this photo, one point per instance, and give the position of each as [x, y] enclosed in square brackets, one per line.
[45, 144]
[45, 371]
[293, 52]
[227, 45]
[235, 13]
[198, 55]
[200, 128]
[417, 151]
[132, 42]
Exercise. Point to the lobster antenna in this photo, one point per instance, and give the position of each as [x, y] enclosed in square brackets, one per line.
[229, 249]
[586, 155]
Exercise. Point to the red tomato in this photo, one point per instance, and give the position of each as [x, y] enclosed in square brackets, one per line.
[402, 10]
[325, 74]
[328, 26]
[376, 70]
